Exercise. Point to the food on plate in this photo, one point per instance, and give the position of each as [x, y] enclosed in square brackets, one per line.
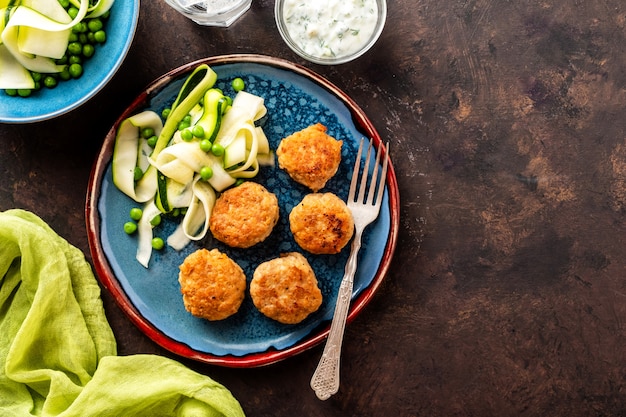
[285, 289]
[310, 156]
[244, 215]
[321, 223]
[178, 161]
[47, 41]
[212, 284]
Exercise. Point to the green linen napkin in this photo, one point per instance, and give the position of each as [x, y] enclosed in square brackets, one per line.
[58, 352]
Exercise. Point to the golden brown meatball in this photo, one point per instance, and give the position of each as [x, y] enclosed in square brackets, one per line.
[310, 156]
[285, 289]
[321, 223]
[244, 215]
[212, 284]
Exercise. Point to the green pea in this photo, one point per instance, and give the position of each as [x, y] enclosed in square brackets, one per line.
[50, 81]
[73, 12]
[186, 134]
[88, 50]
[152, 141]
[206, 145]
[74, 59]
[83, 39]
[79, 28]
[147, 132]
[76, 28]
[182, 125]
[157, 243]
[136, 213]
[156, 220]
[36, 76]
[11, 92]
[130, 227]
[94, 25]
[238, 84]
[206, 173]
[64, 3]
[76, 70]
[217, 149]
[198, 131]
[100, 36]
[137, 174]
[24, 92]
[239, 182]
[165, 113]
[65, 74]
[75, 48]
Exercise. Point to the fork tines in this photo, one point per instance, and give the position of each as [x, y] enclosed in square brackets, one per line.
[352, 197]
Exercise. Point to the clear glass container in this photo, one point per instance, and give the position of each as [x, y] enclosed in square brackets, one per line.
[320, 30]
[211, 12]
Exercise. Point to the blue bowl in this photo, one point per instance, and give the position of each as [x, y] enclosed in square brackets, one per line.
[98, 71]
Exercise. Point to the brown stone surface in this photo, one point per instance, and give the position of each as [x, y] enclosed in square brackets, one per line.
[507, 119]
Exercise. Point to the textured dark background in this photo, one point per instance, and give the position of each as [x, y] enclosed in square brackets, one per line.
[507, 292]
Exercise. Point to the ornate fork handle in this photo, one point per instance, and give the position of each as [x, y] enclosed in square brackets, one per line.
[325, 380]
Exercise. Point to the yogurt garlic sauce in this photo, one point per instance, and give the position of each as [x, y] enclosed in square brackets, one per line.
[330, 28]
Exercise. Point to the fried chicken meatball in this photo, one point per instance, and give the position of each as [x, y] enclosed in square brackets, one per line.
[212, 284]
[285, 289]
[244, 215]
[310, 156]
[321, 223]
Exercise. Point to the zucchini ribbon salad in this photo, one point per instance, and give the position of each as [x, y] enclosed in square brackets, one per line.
[175, 163]
[46, 41]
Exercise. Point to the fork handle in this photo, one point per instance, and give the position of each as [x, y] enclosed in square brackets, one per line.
[325, 380]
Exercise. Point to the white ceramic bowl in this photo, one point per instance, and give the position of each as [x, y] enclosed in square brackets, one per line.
[304, 36]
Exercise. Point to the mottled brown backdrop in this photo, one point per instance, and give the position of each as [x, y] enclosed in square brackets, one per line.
[507, 293]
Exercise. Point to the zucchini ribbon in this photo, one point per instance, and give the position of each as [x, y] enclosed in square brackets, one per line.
[171, 172]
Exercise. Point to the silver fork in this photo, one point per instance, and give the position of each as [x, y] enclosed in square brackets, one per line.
[325, 380]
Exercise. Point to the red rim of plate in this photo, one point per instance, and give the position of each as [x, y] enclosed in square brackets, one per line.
[109, 281]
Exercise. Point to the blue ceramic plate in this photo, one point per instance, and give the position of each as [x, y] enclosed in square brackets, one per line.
[295, 99]
[68, 95]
